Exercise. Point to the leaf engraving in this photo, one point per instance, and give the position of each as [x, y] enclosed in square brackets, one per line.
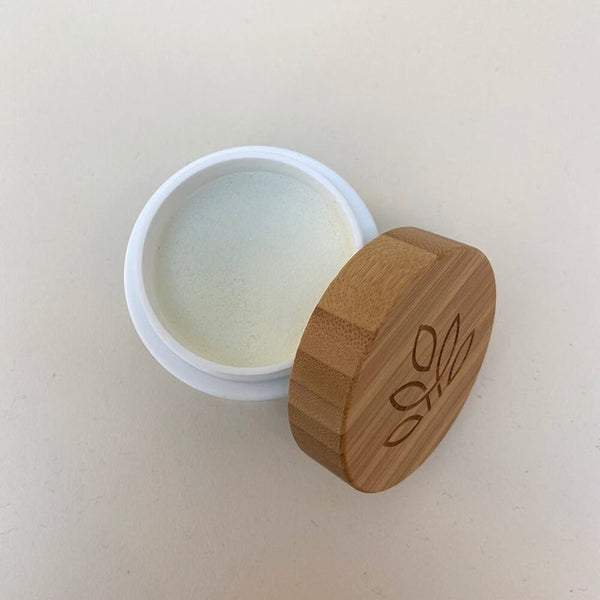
[414, 393]
[447, 350]
[409, 395]
[461, 357]
[404, 430]
[424, 346]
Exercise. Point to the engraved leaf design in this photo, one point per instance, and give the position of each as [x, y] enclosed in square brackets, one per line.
[424, 348]
[409, 395]
[448, 347]
[413, 393]
[404, 430]
[461, 356]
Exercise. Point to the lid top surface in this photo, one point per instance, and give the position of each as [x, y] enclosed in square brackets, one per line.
[390, 354]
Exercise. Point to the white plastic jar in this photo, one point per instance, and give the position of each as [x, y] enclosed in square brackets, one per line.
[213, 377]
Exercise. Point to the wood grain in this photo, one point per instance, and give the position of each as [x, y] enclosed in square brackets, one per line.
[389, 356]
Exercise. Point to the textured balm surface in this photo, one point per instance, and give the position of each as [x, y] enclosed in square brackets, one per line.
[241, 266]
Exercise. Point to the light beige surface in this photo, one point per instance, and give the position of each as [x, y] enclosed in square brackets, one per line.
[476, 120]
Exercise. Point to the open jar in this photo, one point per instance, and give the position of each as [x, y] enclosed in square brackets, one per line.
[257, 272]
[228, 259]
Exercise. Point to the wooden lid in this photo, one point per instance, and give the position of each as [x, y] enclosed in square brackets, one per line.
[390, 354]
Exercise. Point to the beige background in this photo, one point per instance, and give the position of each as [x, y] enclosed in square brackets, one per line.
[477, 120]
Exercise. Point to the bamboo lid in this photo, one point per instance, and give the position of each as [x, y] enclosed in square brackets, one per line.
[390, 354]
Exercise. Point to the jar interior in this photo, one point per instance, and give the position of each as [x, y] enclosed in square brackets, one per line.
[238, 255]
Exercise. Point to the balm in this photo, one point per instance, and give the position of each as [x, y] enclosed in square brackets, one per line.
[241, 265]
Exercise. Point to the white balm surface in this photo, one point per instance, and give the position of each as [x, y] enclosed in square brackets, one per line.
[241, 266]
